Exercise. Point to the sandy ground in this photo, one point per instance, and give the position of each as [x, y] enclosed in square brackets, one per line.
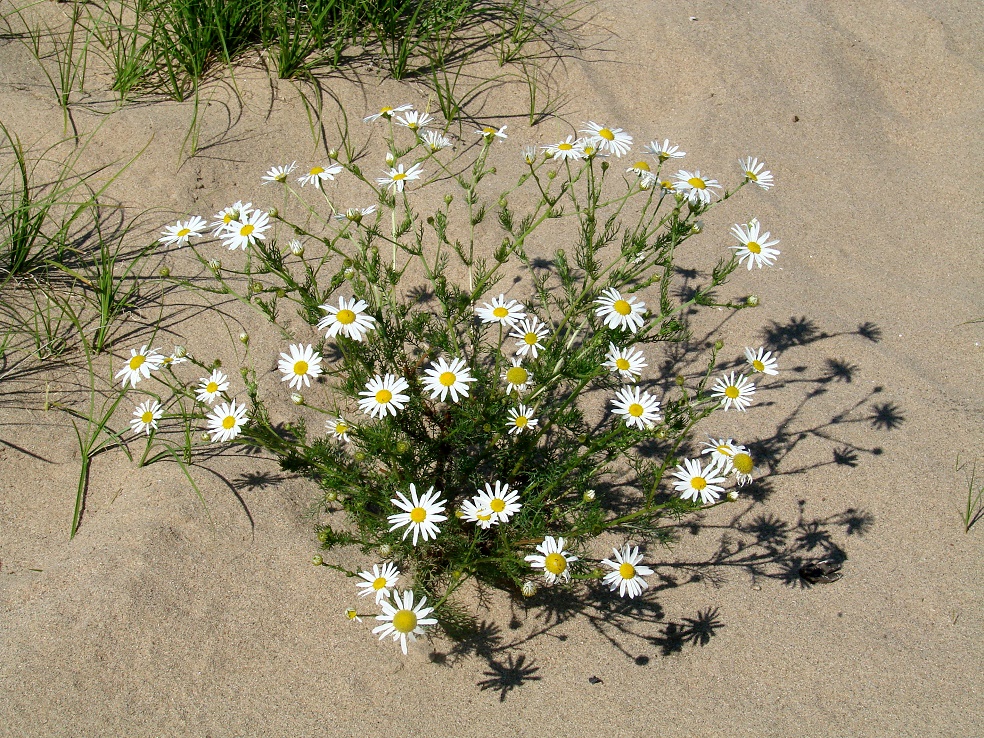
[155, 621]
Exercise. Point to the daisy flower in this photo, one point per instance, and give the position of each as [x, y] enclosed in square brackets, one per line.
[302, 363]
[696, 481]
[382, 395]
[140, 365]
[571, 148]
[637, 408]
[179, 234]
[339, 428]
[355, 215]
[762, 361]
[664, 151]
[145, 416]
[279, 173]
[722, 451]
[619, 312]
[386, 113]
[212, 386]
[443, 377]
[517, 377]
[491, 133]
[421, 514]
[473, 512]
[317, 175]
[553, 559]
[609, 140]
[414, 120]
[225, 422]
[397, 178]
[591, 150]
[735, 389]
[754, 173]
[435, 141]
[379, 581]
[238, 212]
[742, 465]
[404, 620]
[695, 188]
[502, 501]
[348, 318]
[645, 173]
[529, 154]
[500, 311]
[520, 419]
[240, 233]
[755, 246]
[628, 362]
[353, 614]
[530, 332]
[627, 575]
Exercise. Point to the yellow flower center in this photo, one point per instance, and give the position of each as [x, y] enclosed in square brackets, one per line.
[404, 621]
[385, 111]
[644, 166]
[500, 312]
[227, 218]
[418, 515]
[698, 483]
[517, 376]
[147, 417]
[666, 184]
[228, 421]
[448, 378]
[247, 229]
[724, 450]
[732, 392]
[697, 183]
[753, 247]
[137, 361]
[636, 410]
[315, 171]
[300, 368]
[758, 365]
[482, 517]
[184, 232]
[626, 571]
[622, 364]
[497, 504]
[281, 177]
[621, 307]
[383, 397]
[531, 339]
[345, 317]
[606, 134]
[589, 150]
[351, 614]
[521, 421]
[751, 175]
[398, 176]
[555, 563]
[743, 463]
[378, 583]
[212, 388]
[412, 126]
[565, 147]
[341, 428]
[489, 131]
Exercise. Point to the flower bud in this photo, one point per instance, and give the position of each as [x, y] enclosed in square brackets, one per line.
[390, 159]
[589, 495]
[164, 272]
[297, 398]
[733, 495]
[296, 247]
[718, 345]
[597, 573]
[323, 535]
[205, 437]
[752, 301]
[274, 213]
[317, 560]
[604, 166]
[256, 286]
[529, 588]
[552, 174]
[448, 199]
[680, 380]
[385, 550]
[402, 447]
[244, 338]
[458, 514]
[332, 153]
[331, 495]
[214, 264]
[180, 352]
[351, 614]
[529, 154]
[281, 292]
[698, 226]
[359, 456]
[217, 363]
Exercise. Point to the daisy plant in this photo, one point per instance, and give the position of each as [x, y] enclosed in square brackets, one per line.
[478, 428]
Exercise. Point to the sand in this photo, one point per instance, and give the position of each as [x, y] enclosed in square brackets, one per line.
[157, 620]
